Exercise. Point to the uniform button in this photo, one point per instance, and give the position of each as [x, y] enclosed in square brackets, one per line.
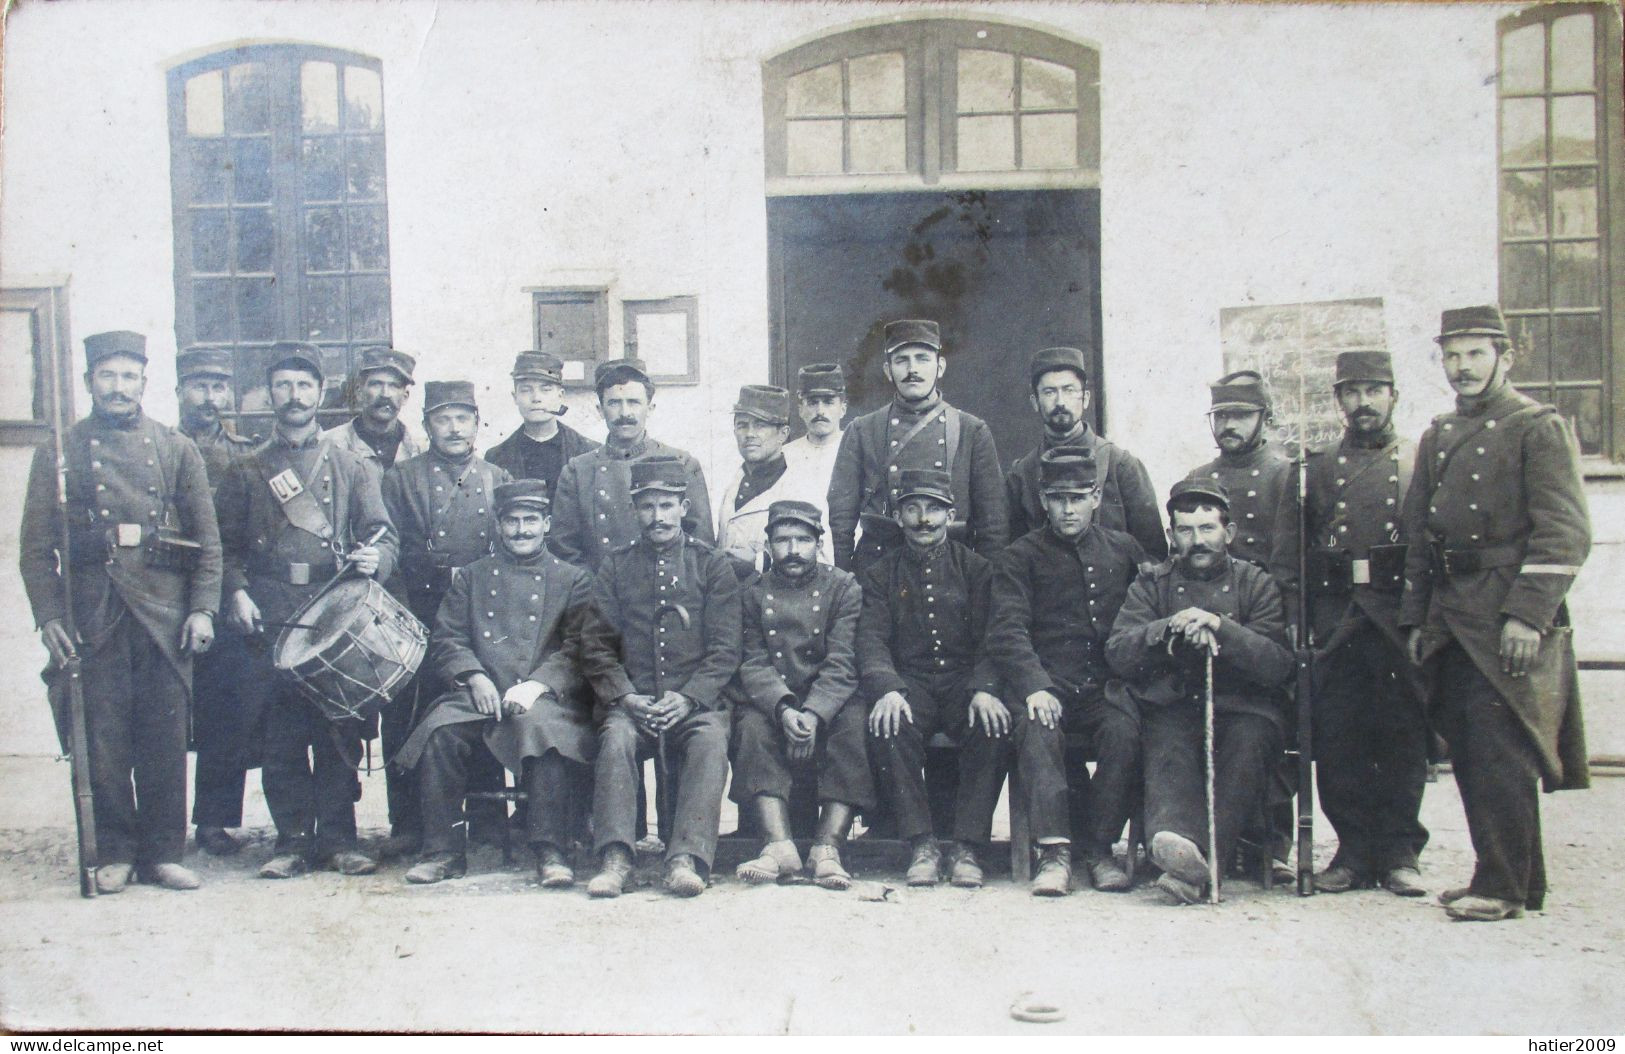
[442, 534]
[438, 487]
[490, 614]
[772, 633]
[480, 511]
[603, 494]
[1254, 541]
[1433, 509]
[942, 442]
[95, 442]
[1441, 455]
[1342, 528]
[939, 464]
[767, 611]
[815, 607]
[535, 596]
[1252, 493]
[1390, 501]
[495, 572]
[815, 593]
[101, 486]
[533, 618]
[493, 592]
[606, 541]
[1448, 426]
[1215, 475]
[436, 467]
[1341, 482]
[1255, 472]
[815, 632]
[1475, 538]
[1342, 504]
[1475, 475]
[1393, 479]
[1473, 506]
[662, 629]
[1342, 460]
[107, 512]
[147, 440]
[1388, 526]
[152, 490]
[487, 633]
[1489, 424]
[894, 442]
[1181, 589]
[95, 464]
[895, 421]
[1250, 516]
[778, 655]
[1480, 450]
[601, 516]
[894, 468]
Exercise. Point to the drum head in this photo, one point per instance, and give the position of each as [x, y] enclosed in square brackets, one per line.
[331, 614]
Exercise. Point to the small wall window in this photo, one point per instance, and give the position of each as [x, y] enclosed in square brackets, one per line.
[572, 323]
[33, 345]
[665, 334]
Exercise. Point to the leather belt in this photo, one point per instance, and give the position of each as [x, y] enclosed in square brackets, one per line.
[285, 572]
[1452, 562]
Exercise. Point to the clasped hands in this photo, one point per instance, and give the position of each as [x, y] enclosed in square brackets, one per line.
[657, 715]
[1199, 628]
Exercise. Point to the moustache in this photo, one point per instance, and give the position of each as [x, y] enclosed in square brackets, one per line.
[1198, 550]
[820, 419]
[794, 561]
[293, 404]
[913, 378]
[621, 421]
[1230, 433]
[1365, 415]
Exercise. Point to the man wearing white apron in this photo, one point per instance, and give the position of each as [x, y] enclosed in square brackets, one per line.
[821, 405]
[761, 425]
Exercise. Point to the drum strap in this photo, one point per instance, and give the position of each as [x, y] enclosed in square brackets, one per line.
[293, 494]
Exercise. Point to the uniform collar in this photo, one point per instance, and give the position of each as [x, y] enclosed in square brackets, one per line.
[116, 424]
[626, 453]
[757, 471]
[212, 434]
[1359, 441]
[1248, 457]
[1070, 543]
[1079, 436]
[1501, 397]
[458, 463]
[1220, 568]
[782, 581]
[535, 558]
[917, 410]
[308, 443]
[668, 549]
[927, 557]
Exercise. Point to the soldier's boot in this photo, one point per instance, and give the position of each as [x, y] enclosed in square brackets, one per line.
[777, 862]
[553, 869]
[216, 841]
[828, 871]
[1107, 875]
[112, 878]
[682, 877]
[1339, 878]
[963, 870]
[352, 862]
[1474, 908]
[437, 868]
[1184, 869]
[613, 873]
[1054, 875]
[925, 869]
[285, 865]
[171, 876]
[1405, 882]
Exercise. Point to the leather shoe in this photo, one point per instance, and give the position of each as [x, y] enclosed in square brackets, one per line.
[828, 873]
[437, 868]
[682, 879]
[285, 865]
[216, 841]
[171, 876]
[1182, 891]
[1405, 882]
[1054, 875]
[553, 871]
[352, 862]
[963, 870]
[1108, 876]
[400, 844]
[1473, 908]
[112, 878]
[1179, 856]
[612, 874]
[926, 867]
[777, 862]
[1339, 878]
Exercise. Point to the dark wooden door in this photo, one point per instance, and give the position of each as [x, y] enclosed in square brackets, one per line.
[1004, 272]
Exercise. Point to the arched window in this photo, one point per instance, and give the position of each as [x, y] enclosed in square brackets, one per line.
[932, 102]
[281, 218]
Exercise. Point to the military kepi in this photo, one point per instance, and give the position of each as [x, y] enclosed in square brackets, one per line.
[99, 346]
[1067, 470]
[912, 331]
[540, 365]
[821, 378]
[532, 492]
[802, 512]
[380, 358]
[295, 355]
[659, 472]
[765, 403]
[1365, 367]
[1051, 359]
[925, 483]
[1484, 320]
[448, 393]
[203, 362]
[1198, 491]
[619, 371]
[1242, 390]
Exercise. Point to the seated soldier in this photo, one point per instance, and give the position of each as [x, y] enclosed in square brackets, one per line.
[1056, 591]
[922, 660]
[1202, 603]
[507, 636]
[796, 684]
[662, 643]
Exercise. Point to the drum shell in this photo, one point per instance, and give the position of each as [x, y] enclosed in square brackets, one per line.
[357, 673]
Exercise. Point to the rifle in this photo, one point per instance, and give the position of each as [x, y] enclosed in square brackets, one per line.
[1304, 656]
[84, 813]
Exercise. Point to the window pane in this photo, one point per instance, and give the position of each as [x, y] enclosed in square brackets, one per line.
[1532, 362]
[324, 240]
[1577, 347]
[369, 245]
[211, 309]
[363, 99]
[256, 308]
[1047, 84]
[1523, 276]
[211, 243]
[987, 81]
[19, 370]
[250, 170]
[1522, 59]
[323, 164]
[336, 371]
[1523, 131]
[319, 96]
[815, 93]
[814, 147]
[878, 146]
[325, 313]
[256, 240]
[208, 172]
[1583, 408]
[369, 308]
[987, 144]
[1049, 140]
[1574, 201]
[1574, 128]
[250, 369]
[206, 104]
[1573, 53]
[364, 157]
[248, 101]
[1574, 274]
[874, 84]
[1523, 204]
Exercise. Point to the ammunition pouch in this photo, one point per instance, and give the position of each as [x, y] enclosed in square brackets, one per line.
[169, 550]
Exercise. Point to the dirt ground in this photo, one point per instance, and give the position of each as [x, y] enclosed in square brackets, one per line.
[492, 952]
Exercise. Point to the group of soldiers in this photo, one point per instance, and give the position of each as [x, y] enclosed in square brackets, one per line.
[852, 596]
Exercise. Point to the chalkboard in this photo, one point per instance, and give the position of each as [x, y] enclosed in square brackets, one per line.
[1295, 348]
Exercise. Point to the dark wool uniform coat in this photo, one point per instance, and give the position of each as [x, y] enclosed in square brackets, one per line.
[876, 448]
[116, 476]
[592, 505]
[220, 447]
[1501, 475]
[1054, 602]
[514, 622]
[1255, 481]
[1253, 663]
[441, 509]
[925, 615]
[801, 642]
[623, 648]
[1128, 502]
[509, 455]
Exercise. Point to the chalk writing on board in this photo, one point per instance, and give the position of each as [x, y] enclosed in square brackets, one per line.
[1295, 348]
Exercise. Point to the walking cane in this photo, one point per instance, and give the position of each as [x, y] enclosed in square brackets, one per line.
[1212, 822]
[663, 786]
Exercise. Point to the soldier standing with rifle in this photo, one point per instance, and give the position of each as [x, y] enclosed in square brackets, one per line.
[1370, 734]
[1499, 529]
[121, 561]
